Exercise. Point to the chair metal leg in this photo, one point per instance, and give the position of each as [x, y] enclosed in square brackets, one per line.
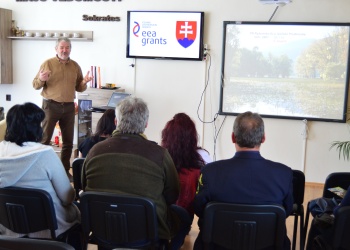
[306, 222]
[295, 231]
[301, 233]
[301, 230]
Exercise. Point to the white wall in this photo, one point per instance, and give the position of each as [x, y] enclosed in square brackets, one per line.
[176, 86]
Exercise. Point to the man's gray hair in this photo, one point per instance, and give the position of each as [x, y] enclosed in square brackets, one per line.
[248, 129]
[66, 39]
[131, 115]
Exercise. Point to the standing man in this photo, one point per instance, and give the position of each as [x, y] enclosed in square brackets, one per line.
[247, 178]
[59, 77]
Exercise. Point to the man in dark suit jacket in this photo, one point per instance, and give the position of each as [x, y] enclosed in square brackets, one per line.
[247, 178]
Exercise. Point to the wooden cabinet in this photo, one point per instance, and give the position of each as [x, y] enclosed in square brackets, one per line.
[6, 73]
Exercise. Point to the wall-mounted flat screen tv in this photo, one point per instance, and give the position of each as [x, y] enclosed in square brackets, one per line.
[165, 35]
[286, 70]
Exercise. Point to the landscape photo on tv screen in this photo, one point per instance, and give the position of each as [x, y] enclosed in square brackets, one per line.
[286, 70]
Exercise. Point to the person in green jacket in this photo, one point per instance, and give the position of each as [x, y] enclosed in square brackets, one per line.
[129, 163]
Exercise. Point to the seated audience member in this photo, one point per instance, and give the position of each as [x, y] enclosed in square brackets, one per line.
[247, 178]
[26, 163]
[326, 233]
[128, 163]
[104, 128]
[180, 138]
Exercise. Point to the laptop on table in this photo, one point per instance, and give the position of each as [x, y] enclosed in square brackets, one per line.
[115, 98]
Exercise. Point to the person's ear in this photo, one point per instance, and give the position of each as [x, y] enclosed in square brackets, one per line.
[115, 122]
[263, 139]
[146, 124]
[233, 137]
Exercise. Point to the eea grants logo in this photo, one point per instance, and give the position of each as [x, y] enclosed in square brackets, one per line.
[186, 32]
[136, 29]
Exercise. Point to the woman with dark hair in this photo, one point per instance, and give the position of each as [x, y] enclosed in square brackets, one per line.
[104, 128]
[26, 163]
[180, 138]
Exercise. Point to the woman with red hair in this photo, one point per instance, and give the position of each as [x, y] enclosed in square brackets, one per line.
[180, 138]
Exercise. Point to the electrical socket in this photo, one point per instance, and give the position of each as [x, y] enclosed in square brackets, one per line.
[205, 51]
[8, 97]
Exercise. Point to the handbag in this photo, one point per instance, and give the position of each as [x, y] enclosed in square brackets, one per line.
[319, 243]
[322, 205]
[324, 221]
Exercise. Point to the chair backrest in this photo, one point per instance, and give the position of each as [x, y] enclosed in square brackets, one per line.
[243, 227]
[298, 187]
[77, 165]
[118, 220]
[337, 179]
[11, 243]
[341, 239]
[26, 210]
